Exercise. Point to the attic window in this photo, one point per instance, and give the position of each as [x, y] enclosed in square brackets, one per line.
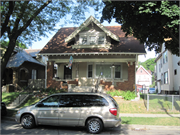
[92, 38]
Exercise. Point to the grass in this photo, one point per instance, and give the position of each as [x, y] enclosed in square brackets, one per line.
[10, 97]
[163, 121]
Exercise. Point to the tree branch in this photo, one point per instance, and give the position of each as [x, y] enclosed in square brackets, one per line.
[19, 17]
[173, 37]
[7, 16]
[34, 15]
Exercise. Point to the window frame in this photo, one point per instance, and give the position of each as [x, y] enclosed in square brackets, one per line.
[34, 74]
[115, 71]
[90, 64]
[166, 80]
[88, 34]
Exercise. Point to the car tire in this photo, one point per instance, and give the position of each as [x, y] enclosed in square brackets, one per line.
[94, 126]
[27, 121]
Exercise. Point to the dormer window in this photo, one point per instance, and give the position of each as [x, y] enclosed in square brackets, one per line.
[91, 38]
[101, 40]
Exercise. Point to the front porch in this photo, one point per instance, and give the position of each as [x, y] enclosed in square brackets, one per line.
[112, 73]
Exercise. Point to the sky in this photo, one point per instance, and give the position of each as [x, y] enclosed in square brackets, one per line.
[44, 40]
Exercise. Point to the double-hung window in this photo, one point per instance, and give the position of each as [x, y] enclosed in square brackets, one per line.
[117, 71]
[166, 78]
[90, 71]
[33, 74]
[165, 59]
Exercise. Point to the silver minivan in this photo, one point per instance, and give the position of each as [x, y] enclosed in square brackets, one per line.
[92, 110]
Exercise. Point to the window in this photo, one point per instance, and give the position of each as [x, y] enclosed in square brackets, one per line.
[166, 78]
[92, 38]
[90, 71]
[84, 40]
[71, 101]
[165, 59]
[101, 40]
[161, 78]
[33, 74]
[175, 72]
[103, 70]
[93, 100]
[51, 102]
[117, 71]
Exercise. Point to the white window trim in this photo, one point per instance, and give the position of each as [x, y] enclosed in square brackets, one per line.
[88, 34]
[165, 78]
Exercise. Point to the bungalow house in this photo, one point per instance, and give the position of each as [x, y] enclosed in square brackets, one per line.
[92, 53]
[21, 68]
[143, 77]
[167, 72]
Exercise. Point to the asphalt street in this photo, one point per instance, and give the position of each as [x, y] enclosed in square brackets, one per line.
[13, 128]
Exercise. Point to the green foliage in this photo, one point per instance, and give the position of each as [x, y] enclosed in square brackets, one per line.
[150, 22]
[127, 95]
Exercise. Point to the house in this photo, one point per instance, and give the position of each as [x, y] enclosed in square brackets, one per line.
[143, 77]
[21, 68]
[167, 72]
[92, 53]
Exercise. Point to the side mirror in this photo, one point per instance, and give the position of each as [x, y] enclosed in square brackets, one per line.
[40, 104]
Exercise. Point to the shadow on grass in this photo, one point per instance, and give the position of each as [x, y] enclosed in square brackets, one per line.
[163, 108]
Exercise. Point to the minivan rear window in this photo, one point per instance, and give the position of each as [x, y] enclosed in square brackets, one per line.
[114, 102]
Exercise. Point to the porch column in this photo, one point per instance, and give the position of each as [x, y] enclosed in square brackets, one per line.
[131, 75]
[50, 72]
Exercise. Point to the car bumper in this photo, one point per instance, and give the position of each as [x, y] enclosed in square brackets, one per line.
[17, 118]
[112, 122]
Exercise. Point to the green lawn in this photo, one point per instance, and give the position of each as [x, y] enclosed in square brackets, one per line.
[10, 97]
[163, 121]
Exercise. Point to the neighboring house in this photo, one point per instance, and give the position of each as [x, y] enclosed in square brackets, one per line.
[35, 54]
[21, 68]
[167, 72]
[143, 77]
[98, 52]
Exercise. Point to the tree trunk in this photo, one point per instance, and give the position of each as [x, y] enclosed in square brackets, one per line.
[7, 55]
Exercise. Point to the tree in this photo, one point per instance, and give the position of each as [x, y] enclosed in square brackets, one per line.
[25, 21]
[153, 23]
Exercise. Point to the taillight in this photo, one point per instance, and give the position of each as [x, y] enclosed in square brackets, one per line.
[113, 111]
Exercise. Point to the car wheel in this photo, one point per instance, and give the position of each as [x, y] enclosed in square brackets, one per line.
[94, 125]
[27, 121]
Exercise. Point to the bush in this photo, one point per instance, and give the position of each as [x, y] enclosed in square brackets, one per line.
[127, 95]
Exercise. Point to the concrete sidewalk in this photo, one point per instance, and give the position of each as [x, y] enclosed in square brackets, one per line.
[148, 115]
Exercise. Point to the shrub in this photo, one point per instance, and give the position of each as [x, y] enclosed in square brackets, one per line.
[127, 95]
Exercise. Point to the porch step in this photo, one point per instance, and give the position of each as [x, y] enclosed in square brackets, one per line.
[83, 89]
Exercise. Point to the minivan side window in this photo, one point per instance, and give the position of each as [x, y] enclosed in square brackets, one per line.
[51, 101]
[70, 101]
[94, 100]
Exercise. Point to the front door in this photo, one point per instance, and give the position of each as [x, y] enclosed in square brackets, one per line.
[67, 73]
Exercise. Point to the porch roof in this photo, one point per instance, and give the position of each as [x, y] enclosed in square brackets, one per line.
[57, 44]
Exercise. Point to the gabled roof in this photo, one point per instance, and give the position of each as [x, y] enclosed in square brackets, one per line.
[144, 70]
[33, 52]
[19, 58]
[57, 44]
[85, 24]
